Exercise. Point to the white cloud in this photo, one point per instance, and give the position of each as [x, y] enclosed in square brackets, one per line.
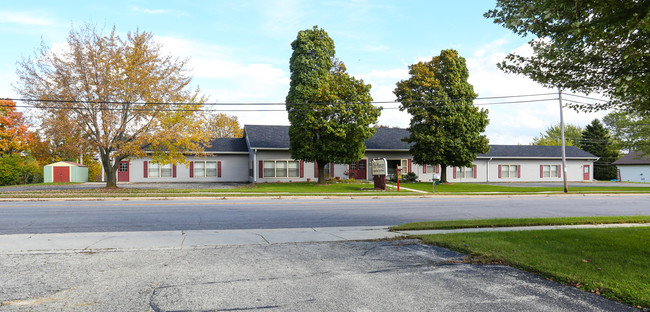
[150, 11]
[25, 18]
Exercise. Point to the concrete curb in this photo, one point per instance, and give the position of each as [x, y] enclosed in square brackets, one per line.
[525, 228]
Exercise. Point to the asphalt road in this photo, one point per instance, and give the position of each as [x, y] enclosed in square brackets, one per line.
[350, 276]
[216, 214]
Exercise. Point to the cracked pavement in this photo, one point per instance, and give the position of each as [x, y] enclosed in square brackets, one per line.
[399, 275]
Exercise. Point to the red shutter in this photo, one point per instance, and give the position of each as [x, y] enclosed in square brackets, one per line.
[331, 169]
[173, 171]
[454, 172]
[499, 171]
[191, 169]
[424, 168]
[218, 169]
[559, 171]
[146, 169]
[302, 169]
[409, 166]
[261, 173]
[541, 171]
[437, 168]
[315, 169]
[518, 171]
[474, 172]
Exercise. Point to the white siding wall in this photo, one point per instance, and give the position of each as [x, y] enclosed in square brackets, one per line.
[234, 168]
[635, 173]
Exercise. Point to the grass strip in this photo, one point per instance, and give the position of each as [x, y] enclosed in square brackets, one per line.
[491, 223]
[486, 188]
[612, 262]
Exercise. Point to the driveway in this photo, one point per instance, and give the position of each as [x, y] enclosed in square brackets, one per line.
[398, 275]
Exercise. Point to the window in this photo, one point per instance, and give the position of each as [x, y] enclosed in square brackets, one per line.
[160, 171]
[550, 171]
[124, 166]
[509, 171]
[429, 169]
[205, 169]
[465, 172]
[281, 169]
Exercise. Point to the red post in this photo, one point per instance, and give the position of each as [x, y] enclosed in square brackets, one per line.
[397, 175]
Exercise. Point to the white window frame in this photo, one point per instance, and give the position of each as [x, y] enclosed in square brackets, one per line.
[549, 173]
[287, 170]
[461, 172]
[155, 170]
[203, 173]
[508, 172]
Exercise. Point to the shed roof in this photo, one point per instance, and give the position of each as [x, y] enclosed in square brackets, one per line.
[67, 164]
[633, 158]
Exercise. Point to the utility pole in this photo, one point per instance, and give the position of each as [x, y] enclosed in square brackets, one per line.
[566, 187]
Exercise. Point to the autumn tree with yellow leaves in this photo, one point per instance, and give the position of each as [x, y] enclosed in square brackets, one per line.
[120, 96]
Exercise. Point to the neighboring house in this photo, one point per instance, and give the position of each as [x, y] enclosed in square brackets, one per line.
[263, 156]
[633, 167]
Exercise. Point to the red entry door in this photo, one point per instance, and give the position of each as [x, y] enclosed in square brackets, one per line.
[360, 167]
[61, 174]
[585, 173]
[123, 172]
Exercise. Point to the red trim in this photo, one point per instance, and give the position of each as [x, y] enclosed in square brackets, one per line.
[454, 172]
[518, 171]
[261, 173]
[331, 169]
[146, 169]
[474, 172]
[499, 171]
[437, 168]
[559, 171]
[410, 166]
[218, 169]
[424, 168]
[302, 169]
[173, 171]
[315, 169]
[191, 169]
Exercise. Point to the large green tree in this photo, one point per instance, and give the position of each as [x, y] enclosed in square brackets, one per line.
[119, 95]
[553, 135]
[596, 140]
[630, 131]
[445, 128]
[583, 45]
[331, 113]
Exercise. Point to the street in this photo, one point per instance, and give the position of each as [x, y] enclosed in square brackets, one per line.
[24, 217]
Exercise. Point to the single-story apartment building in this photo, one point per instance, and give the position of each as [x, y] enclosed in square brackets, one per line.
[263, 155]
[633, 167]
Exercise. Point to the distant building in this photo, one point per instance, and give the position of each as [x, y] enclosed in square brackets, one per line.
[65, 171]
[633, 167]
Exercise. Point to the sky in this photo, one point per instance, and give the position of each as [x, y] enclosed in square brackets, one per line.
[239, 50]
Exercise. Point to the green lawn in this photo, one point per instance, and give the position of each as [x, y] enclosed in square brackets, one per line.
[478, 188]
[486, 223]
[613, 262]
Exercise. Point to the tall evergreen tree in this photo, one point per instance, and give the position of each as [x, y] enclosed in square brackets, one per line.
[330, 112]
[445, 128]
[596, 140]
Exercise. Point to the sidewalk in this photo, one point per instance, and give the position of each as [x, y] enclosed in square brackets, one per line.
[155, 240]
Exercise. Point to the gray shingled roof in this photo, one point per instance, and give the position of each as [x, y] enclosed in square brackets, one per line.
[228, 145]
[272, 137]
[534, 151]
[633, 158]
[277, 137]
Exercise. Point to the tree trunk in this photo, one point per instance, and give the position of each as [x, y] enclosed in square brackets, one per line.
[111, 179]
[321, 171]
[443, 173]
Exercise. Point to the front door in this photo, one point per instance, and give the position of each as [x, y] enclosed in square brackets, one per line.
[585, 173]
[123, 172]
[361, 169]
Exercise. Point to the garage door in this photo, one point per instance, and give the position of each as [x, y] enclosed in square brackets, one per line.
[61, 174]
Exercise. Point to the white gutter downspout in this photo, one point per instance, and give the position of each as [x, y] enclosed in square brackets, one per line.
[487, 177]
[255, 166]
